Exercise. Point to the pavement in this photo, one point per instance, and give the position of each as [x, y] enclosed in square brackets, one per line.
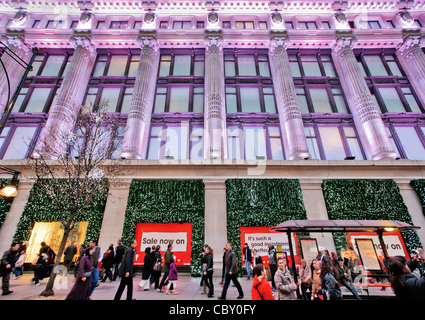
[187, 286]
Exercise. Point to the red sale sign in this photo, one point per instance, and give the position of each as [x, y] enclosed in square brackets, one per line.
[179, 235]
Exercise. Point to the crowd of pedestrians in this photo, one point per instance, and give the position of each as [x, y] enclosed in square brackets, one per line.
[321, 279]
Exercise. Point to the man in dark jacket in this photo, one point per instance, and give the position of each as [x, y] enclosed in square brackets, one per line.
[69, 253]
[126, 272]
[119, 253]
[247, 256]
[231, 273]
[7, 264]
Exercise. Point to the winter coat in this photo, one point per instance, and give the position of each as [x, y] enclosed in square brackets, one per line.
[317, 283]
[414, 288]
[127, 263]
[119, 253]
[330, 287]
[261, 289]
[70, 252]
[168, 257]
[108, 260]
[284, 285]
[305, 274]
[172, 275]
[231, 262]
[9, 257]
[272, 256]
[147, 266]
[81, 289]
[209, 262]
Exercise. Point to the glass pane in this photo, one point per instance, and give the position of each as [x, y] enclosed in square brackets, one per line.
[164, 67]
[179, 100]
[320, 100]
[198, 103]
[53, 66]
[231, 104]
[196, 141]
[198, 68]
[35, 66]
[246, 65]
[295, 69]
[159, 101]
[332, 143]
[412, 103]
[132, 70]
[411, 143]
[20, 142]
[20, 99]
[255, 143]
[250, 100]
[263, 66]
[355, 149]
[155, 143]
[391, 100]
[38, 100]
[395, 70]
[109, 99]
[233, 143]
[311, 66]
[125, 107]
[229, 67]
[302, 101]
[100, 67]
[276, 149]
[176, 143]
[375, 65]
[340, 104]
[329, 69]
[182, 65]
[117, 66]
[269, 103]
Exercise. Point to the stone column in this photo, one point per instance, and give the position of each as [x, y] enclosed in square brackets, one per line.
[137, 131]
[8, 229]
[63, 113]
[366, 116]
[216, 219]
[291, 123]
[15, 70]
[412, 59]
[215, 131]
[113, 218]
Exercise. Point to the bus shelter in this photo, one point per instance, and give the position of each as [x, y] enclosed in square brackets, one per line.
[345, 226]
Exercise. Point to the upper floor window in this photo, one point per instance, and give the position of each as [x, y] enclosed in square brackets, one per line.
[181, 65]
[245, 25]
[119, 24]
[182, 24]
[307, 25]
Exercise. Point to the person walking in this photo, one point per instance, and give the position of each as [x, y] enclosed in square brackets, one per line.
[261, 289]
[19, 264]
[345, 277]
[97, 258]
[108, 263]
[126, 272]
[147, 270]
[248, 260]
[317, 282]
[223, 270]
[77, 263]
[202, 256]
[330, 286]
[272, 263]
[209, 270]
[7, 266]
[231, 273]
[157, 267]
[404, 284]
[172, 278]
[119, 253]
[285, 285]
[41, 267]
[306, 279]
[69, 253]
[81, 288]
[167, 260]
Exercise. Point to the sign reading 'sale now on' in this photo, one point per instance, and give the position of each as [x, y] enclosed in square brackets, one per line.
[179, 235]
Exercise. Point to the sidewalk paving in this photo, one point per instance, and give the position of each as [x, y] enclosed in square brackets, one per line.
[188, 288]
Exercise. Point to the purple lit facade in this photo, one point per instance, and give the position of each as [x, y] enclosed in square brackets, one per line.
[229, 83]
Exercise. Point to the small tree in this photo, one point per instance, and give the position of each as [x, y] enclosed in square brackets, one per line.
[81, 170]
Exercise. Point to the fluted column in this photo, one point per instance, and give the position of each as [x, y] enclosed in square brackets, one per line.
[215, 131]
[412, 59]
[365, 113]
[136, 135]
[64, 111]
[15, 71]
[290, 119]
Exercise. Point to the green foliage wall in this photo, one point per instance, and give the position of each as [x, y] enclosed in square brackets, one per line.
[419, 186]
[5, 202]
[367, 200]
[261, 202]
[167, 201]
[40, 208]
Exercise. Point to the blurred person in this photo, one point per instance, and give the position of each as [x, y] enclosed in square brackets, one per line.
[317, 282]
[7, 266]
[247, 257]
[261, 289]
[345, 277]
[147, 269]
[81, 288]
[126, 272]
[330, 285]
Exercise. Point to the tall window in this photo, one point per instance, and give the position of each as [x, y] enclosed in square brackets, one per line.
[408, 140]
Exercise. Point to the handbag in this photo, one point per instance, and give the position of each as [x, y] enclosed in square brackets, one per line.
[157, 267]
[87, 274]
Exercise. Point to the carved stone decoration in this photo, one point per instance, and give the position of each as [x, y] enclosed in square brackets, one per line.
[14, 70]
[137, 130]
[63, 113]
[215, 133]
[290, 119]
[365, 113]
[412, 60]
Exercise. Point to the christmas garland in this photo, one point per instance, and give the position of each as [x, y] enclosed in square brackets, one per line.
[167, 201]
[40, 208]
[5, 202]
[261, 202]
[367, 200]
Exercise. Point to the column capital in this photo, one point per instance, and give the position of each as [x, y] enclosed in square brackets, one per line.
[410, 41]
[146, 41]
[17, 41]
[84, 42]
[343, 42]
[214, 43]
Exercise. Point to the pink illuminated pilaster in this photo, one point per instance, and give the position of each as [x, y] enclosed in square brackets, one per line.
[412, 59]
[290, 119]
[14, 70]
[365, 113]
[63, 113]
[215, 132]
[136, 135]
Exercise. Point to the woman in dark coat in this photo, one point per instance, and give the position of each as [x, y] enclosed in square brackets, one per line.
[108, 263]
[81, 288]
[147, 270]
[156, 274]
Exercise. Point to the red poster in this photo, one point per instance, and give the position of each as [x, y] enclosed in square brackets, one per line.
[259, 237]
[162, 234]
